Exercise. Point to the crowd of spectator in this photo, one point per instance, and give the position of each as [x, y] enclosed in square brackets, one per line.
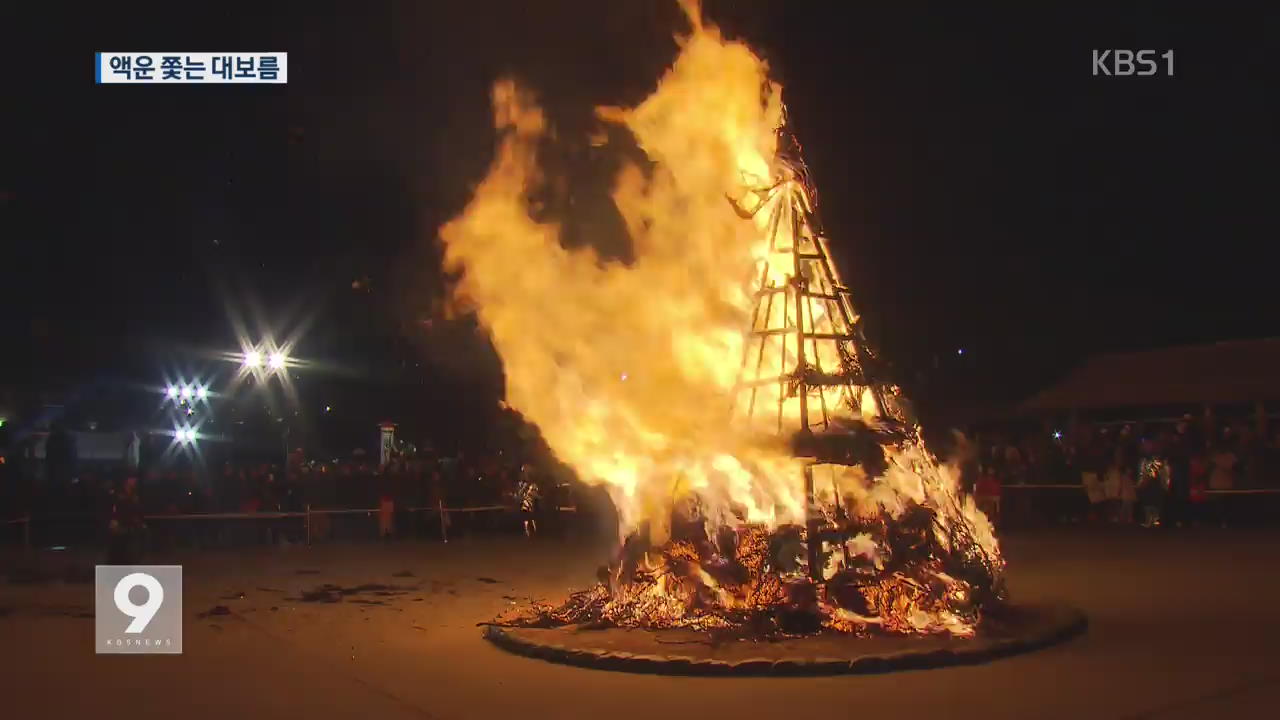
[418, 481]
[1154, 475]
[401, 495]
[1160, 474]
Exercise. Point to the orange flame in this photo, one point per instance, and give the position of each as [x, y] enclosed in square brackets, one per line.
[628, 370]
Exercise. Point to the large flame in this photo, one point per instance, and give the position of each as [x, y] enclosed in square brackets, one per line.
[632, 370]
[629, 369]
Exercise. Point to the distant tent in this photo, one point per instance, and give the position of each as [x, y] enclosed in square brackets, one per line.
[1239, 372]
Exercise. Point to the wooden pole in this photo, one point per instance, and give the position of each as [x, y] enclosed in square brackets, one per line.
[798, 286]
[811, 525]
[307, 522]
[444, 521]
[748, 338]
[768, 314]
[782, 363]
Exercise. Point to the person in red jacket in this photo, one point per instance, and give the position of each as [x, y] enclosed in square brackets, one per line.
[1199, 472]
[987, 493]
[126, 525]
[388, 485]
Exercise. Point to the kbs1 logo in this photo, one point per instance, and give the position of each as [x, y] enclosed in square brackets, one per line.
[1123, 63]
[138, 609]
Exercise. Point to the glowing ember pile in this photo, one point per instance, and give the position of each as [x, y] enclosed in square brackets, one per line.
[767, 478]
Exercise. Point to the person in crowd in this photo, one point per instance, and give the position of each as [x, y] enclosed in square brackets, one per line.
[401, 483]
[1032, 460]
[386, 499]
[126, 525]
[248, 482]
[1177, 498]
[1248, 450]
[415, 496]
[1153, 483]
[190, 494]
[366, 485]
[1127, 441]
[323, 495]
[995, 459]
[1120, 486]
[528, 496]
[987, 493]
[269, 500]
[459, 489]
[104, 504]
[273, 490]
[1090, 465]
[249, 498]
[508, 481]
[1015, 468]
[225, 488]
[301, 484]
[345, 485]
[169, 492]
[291, 499]
[1199, 477]
[435, 488]
[1222, 474]
[970, 464]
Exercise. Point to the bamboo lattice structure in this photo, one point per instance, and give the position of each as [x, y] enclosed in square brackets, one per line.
[807, 372]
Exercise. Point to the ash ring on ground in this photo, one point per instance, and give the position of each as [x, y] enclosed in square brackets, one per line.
[1019, 629]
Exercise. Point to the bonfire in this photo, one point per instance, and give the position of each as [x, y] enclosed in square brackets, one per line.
[769, 477]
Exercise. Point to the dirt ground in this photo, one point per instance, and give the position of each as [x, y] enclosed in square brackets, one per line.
[1183, 625]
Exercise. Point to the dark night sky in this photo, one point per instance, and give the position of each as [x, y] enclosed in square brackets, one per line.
[982, 188]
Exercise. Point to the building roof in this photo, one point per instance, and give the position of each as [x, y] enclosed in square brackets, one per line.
[1220, 373]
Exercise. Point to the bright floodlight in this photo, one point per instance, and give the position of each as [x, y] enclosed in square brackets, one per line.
[202, 393]
[171, 391]
[186, 393]
[253, 359]
[184, 435]
[277, 361]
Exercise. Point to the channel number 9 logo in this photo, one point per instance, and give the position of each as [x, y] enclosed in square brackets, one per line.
[141, 614]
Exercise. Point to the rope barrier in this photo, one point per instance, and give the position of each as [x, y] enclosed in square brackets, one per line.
[445, 511]
[226, 516]
[310, 511]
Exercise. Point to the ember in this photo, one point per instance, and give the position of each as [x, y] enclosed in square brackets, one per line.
[769, 479]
